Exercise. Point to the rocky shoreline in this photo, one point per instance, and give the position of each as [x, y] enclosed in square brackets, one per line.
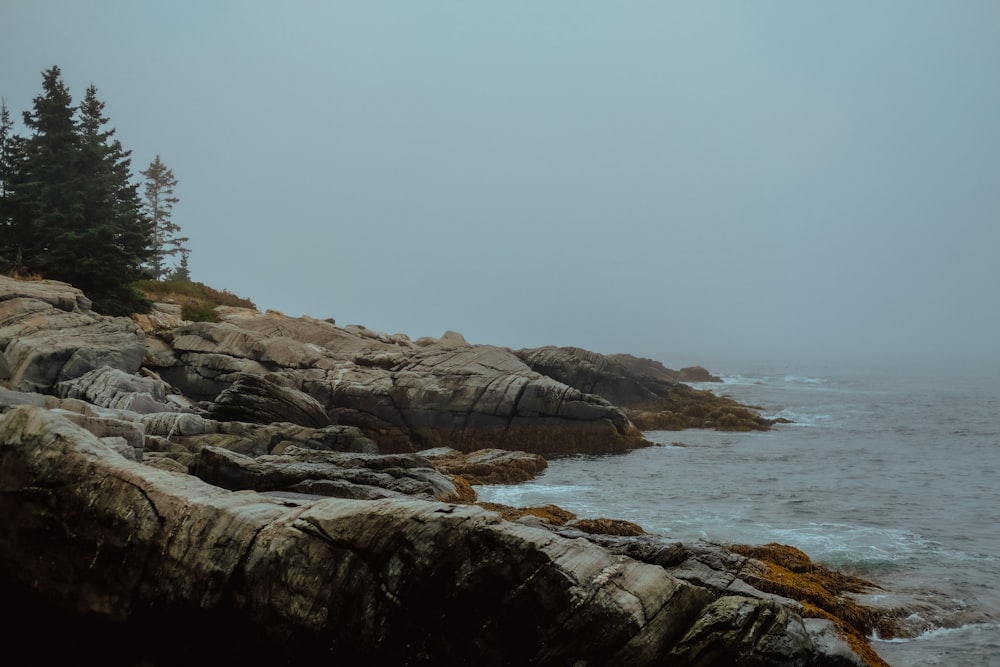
[276, 489]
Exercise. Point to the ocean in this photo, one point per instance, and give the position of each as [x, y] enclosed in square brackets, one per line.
[887, 472]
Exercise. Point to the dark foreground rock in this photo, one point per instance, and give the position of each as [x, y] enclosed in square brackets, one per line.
[140, 552]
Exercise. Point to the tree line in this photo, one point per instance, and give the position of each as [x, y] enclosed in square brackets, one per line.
[71, 210]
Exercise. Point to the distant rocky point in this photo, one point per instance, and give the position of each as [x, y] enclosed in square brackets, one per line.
[266, 489]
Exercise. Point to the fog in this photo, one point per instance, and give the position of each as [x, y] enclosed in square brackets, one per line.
[709, 183]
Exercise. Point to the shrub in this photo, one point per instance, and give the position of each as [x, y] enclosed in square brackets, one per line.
[199, 312]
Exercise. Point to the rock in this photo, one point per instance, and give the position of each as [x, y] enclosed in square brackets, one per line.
[113, 388]
[136, 550]
[403, 396]
[336, 474]
[487, 466]
[452, 339]
[164, 317]
[59, 295]
[191, 436]
[721, 636]
[44, 344]
[256, 399]
[621, 379]
[602, 526]
[653, 396]
[697, 374]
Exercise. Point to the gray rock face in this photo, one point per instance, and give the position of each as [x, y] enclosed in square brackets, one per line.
[487, 466]
[110, 387]
[624, 380]
[397, 580]
[406, 397]
[653, 396]
[49, 335]
[256, 399]
[62, 296]
[297, 470]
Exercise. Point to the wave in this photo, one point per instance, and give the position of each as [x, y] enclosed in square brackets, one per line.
[799, 379]
[864, 547]
[530, 494]
[739, 379]
[935, 634]
[799, 418]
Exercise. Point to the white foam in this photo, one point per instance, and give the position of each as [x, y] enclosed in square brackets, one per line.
[523, 494]
[935, 634]
[799, 418]
[800, 379]
[854, 544]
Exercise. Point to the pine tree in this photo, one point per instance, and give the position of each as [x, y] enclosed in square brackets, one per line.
[9, 151]
[117, 240]
[7, 147]
[75, 214]
[43, 194]
[159, 203]
[181, 273]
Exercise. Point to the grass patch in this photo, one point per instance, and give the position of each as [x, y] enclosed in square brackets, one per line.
[198, 299]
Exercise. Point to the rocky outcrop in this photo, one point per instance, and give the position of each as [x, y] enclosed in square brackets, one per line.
[401, 579]
[407, 397]
[254, 368]
[48, 334]
[109, 387]
[697, 374]
[258, 400]
[655, 397]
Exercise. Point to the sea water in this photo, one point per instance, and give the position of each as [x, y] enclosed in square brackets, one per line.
[890, 473]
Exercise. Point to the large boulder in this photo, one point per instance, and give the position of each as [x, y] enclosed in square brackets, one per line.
[141, 565]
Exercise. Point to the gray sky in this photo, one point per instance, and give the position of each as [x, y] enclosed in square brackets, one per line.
[697, 182]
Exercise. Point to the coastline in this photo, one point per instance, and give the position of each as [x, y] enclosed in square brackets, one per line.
[305, 412]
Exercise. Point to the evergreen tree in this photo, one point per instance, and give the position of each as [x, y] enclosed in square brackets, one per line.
[159, 203]
[74, 213]
[181, 273]
[43, 193]
[9, 150]
[115, 226]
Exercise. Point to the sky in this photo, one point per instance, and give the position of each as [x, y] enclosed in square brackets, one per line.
[709, 183]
